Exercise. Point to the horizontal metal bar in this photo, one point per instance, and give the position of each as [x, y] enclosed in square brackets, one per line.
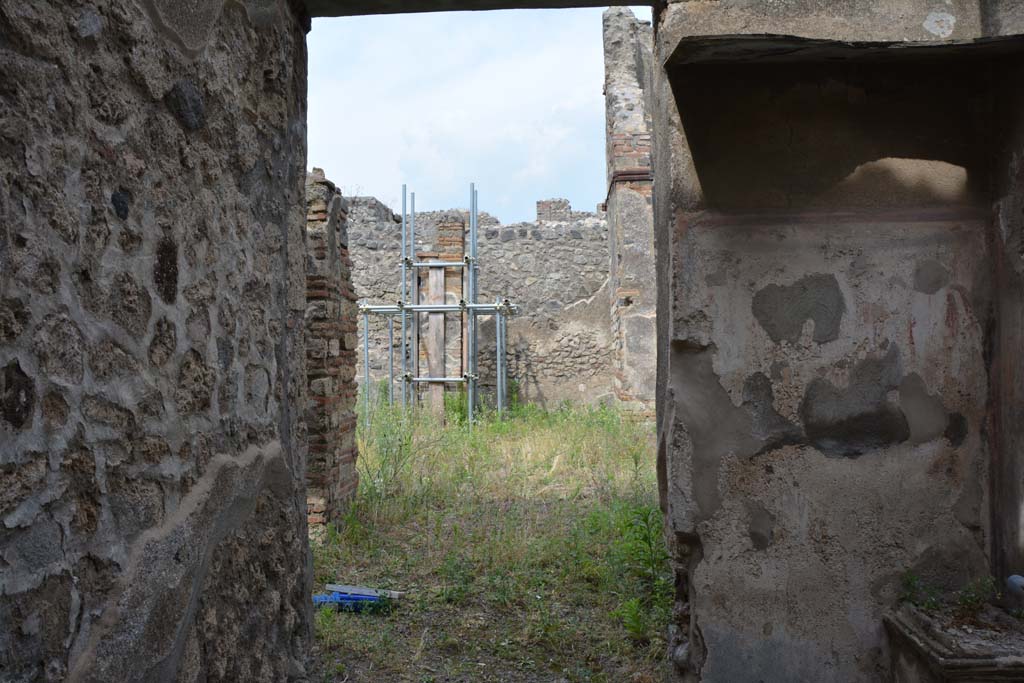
[438, 380]
[440, 308]
[438, 264]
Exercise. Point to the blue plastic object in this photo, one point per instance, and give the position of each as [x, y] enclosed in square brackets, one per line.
[344, 601]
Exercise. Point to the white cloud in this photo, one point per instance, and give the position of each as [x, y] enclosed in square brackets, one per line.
[510, 99]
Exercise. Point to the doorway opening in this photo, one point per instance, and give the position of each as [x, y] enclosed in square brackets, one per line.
[525, 548]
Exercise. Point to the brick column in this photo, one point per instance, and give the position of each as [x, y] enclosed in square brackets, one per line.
[451, 239]
[330, 353]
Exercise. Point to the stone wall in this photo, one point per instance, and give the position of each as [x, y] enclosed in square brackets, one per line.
[556, 270]
[152, 294]
[330, 353]
[834, 382]
[375, 248]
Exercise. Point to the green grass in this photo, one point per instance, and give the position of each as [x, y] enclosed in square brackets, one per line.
[531, 550]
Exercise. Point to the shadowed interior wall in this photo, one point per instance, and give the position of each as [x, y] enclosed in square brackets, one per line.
[1006, 371]
[152, 297]
[827, 326]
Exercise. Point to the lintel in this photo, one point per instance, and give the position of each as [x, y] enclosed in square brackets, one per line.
[738, 49]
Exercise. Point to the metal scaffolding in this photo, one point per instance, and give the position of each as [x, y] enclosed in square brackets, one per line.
[469, 311]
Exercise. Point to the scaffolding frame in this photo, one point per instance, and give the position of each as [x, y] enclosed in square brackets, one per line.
[409, 309]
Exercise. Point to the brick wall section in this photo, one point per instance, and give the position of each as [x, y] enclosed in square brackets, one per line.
[549, 210]
[630, 151]
[331, 345]
[451, 235]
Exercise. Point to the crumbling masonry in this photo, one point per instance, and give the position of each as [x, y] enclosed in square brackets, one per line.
[838, 213]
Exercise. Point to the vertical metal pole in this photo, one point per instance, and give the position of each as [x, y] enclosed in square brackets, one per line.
[471, 296]
[366, 366]
[391, 361]
[405, 294]
[475, 268]
[415, 343]
[503, 320]
[498, 361]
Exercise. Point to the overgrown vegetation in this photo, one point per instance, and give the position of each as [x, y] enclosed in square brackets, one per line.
[973, 597]
[915, 591]
[531, 550]
[965, 604]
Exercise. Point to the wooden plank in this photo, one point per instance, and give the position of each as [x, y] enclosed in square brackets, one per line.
[434, 340]
[363, 590]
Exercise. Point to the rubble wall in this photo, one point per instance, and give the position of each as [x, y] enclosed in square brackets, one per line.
[152, 296]
[827, 329]
[555, 268]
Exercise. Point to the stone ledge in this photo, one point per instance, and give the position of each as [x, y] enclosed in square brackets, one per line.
[936, 649]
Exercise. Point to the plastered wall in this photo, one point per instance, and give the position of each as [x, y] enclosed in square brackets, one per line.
[828, 237]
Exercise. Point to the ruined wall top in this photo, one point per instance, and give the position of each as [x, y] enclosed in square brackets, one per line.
[627, 70]
[628, 62]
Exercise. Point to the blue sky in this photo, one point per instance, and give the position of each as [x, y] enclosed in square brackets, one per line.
[511, 100]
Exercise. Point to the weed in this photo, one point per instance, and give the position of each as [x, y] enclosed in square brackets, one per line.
[456, 406]
[972, 598]
[915, 591]
[969, 601]
[514, 391]
[458, 579]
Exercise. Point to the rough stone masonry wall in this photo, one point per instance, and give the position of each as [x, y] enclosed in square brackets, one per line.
[834, 376]
[375, 248]
[628, 59]
[554, 268]
[152, 295]
[330, 353]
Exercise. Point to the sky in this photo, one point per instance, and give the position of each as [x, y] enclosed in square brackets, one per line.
[511, 100]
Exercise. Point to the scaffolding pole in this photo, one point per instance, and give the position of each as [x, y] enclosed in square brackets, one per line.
[391, 360]
[394, 309]
[468, 309]
[405, 281]
[471, 384]
[499, 351]
[366, 367]
[414, 346]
